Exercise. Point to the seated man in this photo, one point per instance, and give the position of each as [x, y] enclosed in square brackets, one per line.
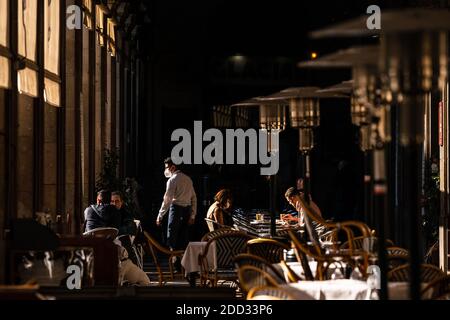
[124, 222]
[104, 215]
[99, 215]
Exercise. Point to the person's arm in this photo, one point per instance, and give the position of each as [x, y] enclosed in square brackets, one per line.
[167, 200]
[87, 220]
[301, 218]
[218, 215]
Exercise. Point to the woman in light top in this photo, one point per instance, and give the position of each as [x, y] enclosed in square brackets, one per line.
[220, 211]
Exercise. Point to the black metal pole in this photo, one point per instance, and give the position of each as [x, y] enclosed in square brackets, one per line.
[411, 124]
[395, 178]
[412, 154]
[381, 206]
[272, 190]
[307, 176]
[368, 187]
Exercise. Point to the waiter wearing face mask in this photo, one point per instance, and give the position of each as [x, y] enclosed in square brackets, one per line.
[180, 202]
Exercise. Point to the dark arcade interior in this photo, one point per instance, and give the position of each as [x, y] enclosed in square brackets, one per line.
[101, 111]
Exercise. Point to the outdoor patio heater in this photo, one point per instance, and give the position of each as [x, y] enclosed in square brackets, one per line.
[304, 109]
[272, 121]
[413, 64]
[364, 91]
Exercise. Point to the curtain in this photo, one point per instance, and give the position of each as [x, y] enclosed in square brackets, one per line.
[27, 79]
[51, 50]
[4, 15]
[87, 8]
[100, 25]
[111, 37]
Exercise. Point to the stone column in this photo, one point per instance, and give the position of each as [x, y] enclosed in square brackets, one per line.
[2, 184]
[50, 160]
[108, 104]
[84, 124]
[25, 145]
[71, 128]
[99, 124]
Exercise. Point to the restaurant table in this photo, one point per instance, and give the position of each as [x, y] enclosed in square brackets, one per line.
[298, 268]
[106, 268]
[246, 221]
[190, 260]
[342, 289]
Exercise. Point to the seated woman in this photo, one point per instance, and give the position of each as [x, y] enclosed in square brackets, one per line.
[219, 211]
[312, 224]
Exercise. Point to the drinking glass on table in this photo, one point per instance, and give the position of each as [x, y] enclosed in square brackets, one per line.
[356, 272]
[338, 272]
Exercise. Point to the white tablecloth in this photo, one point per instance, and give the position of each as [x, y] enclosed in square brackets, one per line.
[193, 251]
[297, 268]
[343, 289]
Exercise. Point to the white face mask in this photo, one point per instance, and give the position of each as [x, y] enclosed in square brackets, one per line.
[167, 173]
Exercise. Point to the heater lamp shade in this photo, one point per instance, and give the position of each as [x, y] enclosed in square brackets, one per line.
[305, 113]
[272, 117]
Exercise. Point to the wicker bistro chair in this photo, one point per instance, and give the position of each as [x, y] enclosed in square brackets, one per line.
[269, 249]
[323, 260]
[397, 251]
[252, 277]
[228, 245]
[292, 277]
[302, 251]
[269, 293]
[247, 259]
[155, 247]
[335, 228]
[217, 232]
[438, 289]
[428, 273]
[106, 232]
[396, 257]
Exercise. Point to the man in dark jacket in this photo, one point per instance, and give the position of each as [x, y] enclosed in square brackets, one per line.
[110, 212]
[123, 220]
[100, 214]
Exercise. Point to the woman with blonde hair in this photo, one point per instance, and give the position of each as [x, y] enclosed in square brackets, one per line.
[219, 211]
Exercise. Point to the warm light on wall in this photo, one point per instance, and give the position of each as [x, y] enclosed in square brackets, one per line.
[238, 58]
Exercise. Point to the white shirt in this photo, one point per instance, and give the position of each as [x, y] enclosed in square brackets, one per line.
[179, 191]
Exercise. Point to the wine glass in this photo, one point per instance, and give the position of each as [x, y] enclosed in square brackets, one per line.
[337, 273]
[356, 272]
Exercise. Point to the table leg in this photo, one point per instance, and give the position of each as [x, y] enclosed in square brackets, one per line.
[192, 279]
